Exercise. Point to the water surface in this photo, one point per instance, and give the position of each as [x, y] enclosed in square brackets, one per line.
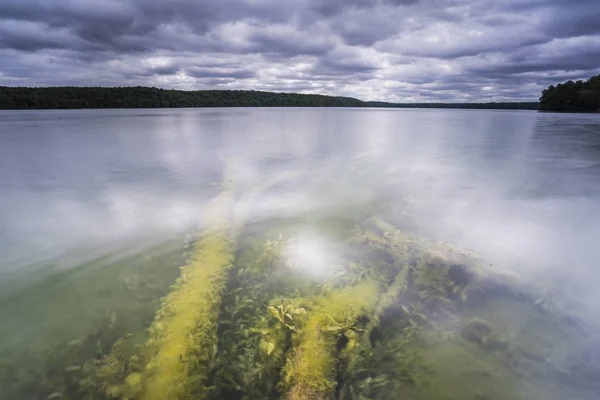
[95, 204]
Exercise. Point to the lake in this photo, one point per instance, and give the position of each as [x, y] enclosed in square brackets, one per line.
[99, 209]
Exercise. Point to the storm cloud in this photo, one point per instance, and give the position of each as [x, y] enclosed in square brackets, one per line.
[392, 50]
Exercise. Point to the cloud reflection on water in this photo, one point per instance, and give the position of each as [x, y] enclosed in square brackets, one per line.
[484, 179]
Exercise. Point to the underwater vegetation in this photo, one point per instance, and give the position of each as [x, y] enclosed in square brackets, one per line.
[248, 317]
[183, 334]
[79, 314]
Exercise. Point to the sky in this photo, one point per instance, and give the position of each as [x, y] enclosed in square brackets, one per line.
[388, 50]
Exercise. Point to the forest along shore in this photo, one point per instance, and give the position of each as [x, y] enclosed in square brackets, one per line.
[23, 98]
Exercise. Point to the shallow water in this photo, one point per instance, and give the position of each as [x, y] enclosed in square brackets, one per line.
[95, 207]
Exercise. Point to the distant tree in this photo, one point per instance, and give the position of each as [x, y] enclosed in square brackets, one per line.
[588, 100]
[145, 97]
[572, 96]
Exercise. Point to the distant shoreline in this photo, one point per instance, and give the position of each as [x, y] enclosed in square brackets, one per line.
[52, 98]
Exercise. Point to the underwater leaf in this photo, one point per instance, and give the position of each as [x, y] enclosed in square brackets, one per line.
[270, 347]
[73, 368]
[260, 331]
[133, 379]
[351, 344]
[114, 391]
[273, 311]
[421, 316]
[264, 345]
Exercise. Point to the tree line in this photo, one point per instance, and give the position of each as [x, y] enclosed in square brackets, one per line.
[572, 96]
[487, 106]
[148, 97]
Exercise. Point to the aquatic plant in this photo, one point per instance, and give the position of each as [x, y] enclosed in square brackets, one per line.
[251, 349]
[116, 375]
[271, 256]
[183, 335]
[183, 338]
[240, 324]
[310, 369]
[252, 343]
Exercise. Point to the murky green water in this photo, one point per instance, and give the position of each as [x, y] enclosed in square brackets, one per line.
[464, 239]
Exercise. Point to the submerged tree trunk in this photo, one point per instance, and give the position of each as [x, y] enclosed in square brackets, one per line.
[183, 335]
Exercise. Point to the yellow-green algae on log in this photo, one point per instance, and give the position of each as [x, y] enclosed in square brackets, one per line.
[183, 335]
[310, 373]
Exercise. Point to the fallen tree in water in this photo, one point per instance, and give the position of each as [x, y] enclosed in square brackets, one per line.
[394, 313]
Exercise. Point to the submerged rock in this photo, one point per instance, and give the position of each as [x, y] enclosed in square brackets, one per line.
[482, 333]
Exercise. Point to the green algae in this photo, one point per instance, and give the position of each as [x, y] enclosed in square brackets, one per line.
[310, 371]
[183, 335]
[402, 317]
[184, 332]
[183, 343]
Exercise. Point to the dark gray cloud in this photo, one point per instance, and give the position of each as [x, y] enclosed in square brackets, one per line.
[288, 42]
[234, 73]
[26, 36]
[328, 8]
[345, 62]
[159, 70]
[399, 50]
